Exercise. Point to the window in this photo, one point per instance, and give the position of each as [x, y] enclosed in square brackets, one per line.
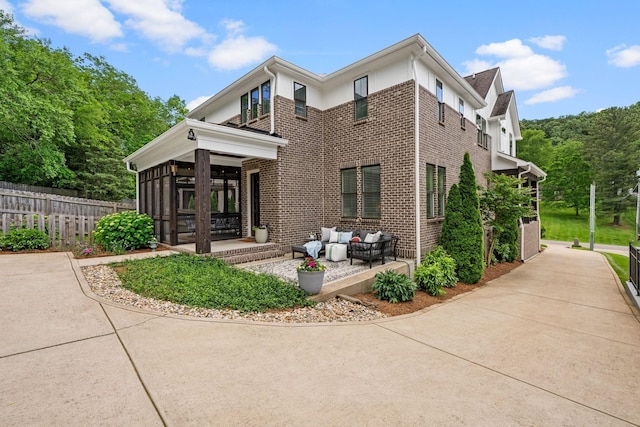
[461, 111]
[300, 98]
[360, 93]
[440, 96]
[255, 101]
[481, 124]
[349, 188]
[441, 189]
[266, 97]
[244, 106]
[430, 191]
[371, 191]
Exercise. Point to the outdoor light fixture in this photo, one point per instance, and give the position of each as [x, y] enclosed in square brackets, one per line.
[191, 135]
[174, 169]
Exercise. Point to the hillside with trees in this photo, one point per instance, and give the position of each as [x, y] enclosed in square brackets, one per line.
[67, 122]
[601, 147]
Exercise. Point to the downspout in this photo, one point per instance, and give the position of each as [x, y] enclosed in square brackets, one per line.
[416, 138]
[137, 185]
[273, 91]
[520, 223]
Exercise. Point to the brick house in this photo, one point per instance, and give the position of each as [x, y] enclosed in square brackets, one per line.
[374, 145]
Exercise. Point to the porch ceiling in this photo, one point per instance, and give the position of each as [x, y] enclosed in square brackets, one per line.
[504, 161]
[228, 146]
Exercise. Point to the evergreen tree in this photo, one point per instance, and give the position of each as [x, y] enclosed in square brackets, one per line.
[462, 233]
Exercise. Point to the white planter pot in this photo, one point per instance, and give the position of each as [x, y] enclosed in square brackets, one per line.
[262, 235]
[310, 281]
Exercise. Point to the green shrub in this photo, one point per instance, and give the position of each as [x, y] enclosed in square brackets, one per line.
[438, 270]
[20, 239]
[394, 287]
[123, 231]
[462, 235]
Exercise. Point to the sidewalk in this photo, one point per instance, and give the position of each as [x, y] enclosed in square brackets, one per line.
[554, 342]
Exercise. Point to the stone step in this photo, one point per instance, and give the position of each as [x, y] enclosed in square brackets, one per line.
[253, 256]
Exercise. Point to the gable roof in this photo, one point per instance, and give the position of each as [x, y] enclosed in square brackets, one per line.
[501, 105]
[482, 81]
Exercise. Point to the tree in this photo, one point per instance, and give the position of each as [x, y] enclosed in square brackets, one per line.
[503, 203]
[535, 147]
[462, 234]
[569, 176]
[613, 149]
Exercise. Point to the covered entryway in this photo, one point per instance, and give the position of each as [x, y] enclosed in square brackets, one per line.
[189, 180]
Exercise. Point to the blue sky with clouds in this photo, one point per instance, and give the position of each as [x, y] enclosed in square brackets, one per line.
[560, 57]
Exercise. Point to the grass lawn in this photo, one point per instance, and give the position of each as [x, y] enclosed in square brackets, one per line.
[562, 224]
[208, 282]
[620, 264]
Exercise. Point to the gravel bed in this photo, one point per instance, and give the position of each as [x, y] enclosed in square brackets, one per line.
[286, 269]
[105, 283]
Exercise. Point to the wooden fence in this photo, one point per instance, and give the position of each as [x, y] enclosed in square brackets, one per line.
[64, 230]
[14, 201]
[67, 220]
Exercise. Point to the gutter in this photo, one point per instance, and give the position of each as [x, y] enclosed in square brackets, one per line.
[416, 137]
[137, 185]
[273, 91]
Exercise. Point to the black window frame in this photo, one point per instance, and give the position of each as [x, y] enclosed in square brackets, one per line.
[461, 111]
[266, 96]
[442, 188]
[430, 187]
[300, 101]
[440, 96]
[349, 196]
[360, 98]
[244, 106]
[370, 194]
[255, 102]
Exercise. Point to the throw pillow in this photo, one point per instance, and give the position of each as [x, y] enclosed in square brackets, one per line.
[345, 236]
[376, 236]
[326, 233]
[356, 239]
[369, 238]
[334, 236]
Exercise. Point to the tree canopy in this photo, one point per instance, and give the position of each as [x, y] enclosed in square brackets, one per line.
[68, 122]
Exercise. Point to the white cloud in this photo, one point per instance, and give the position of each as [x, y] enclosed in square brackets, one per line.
[509, 49]
[199, 100]
[553, 95]
[160, 21]
[521, 67]
[237, 51]
[549, 42]
[623, 56]
[84, 17]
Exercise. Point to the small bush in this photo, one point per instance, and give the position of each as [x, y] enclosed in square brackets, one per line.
[123, 231]
[438, 270]
[394, 287]
[502, 252]
[21, 239]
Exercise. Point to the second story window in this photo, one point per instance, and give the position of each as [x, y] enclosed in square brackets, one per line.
[266, 97]
[461, 110]
[300, 98]
[511, 153]
[244, 106]
[483, 138]
[255, 101]
[360, 93]
[440, 96]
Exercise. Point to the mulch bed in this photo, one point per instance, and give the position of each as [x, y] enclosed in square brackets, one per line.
[423, 300]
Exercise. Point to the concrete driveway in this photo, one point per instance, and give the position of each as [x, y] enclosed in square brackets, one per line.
[554, 342]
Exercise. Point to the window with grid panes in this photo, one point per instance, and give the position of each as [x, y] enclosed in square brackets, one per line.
[371, 191]
[244, 106]
[441, 189]
[300, 98]
[255, 101]
[349, 192]
[360, 93]
[266, 97]
[430, 190]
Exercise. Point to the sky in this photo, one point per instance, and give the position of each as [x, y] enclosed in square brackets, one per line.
[560, 57]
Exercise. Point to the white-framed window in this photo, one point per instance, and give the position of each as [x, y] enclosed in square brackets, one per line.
[300, 99]
[461, 111]
[360, 94]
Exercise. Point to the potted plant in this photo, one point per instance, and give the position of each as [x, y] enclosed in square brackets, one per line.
[311, 275]
[261, 233]
[153, 243]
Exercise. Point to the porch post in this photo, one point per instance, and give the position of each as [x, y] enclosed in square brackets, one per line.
[203, 204]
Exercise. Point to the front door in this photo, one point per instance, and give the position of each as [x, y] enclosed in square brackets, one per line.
[255, 200]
